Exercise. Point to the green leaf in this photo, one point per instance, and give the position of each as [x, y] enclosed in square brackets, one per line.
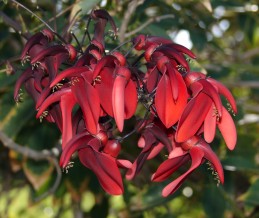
[213, 202]
[156, 30]
[100, 209]
[153, 196]
[251, 197]
[243, 157]
[13, 118]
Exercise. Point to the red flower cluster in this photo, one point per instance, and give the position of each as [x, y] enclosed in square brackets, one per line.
[89, 94]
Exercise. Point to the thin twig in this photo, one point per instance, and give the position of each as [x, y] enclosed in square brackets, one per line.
[86, 33]
[148, 22]
[131, 9]
[53, 18]
[47, 25]
[72, 22]
[250, 53]
[50, 155]
[31, 12]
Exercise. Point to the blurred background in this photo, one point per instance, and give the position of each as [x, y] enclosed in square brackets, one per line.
[224, 34]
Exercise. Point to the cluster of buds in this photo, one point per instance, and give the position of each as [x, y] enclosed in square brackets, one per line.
[90, 94]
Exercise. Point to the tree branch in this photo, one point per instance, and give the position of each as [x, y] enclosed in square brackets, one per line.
[50, 155]
[250, 53]
[245, 84]
[131, 9]
[148, 22]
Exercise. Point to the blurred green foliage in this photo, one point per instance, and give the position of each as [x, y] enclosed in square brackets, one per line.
[225, 37]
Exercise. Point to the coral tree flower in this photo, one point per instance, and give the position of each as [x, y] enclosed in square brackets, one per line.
[194, 149]
[100, 155]
[90, 93]
[153, 139]
[163, 76]
[206, 111]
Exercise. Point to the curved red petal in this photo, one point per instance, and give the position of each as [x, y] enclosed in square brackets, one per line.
[104, 89]
[77, 142]
[196, 155]
[210, 125]
[132, 99]
[152, 79]
[54, 97]
[67, 103]
[223, 90]
[118, 103]
[69, 72]
[168, 110]
[103, 14]
[168, 167]
[88, 99]
[105, 61]
[50, 51]
[212, 92]
[35, 39]
[228, 129]
[182, 49]
[105, 168]
[172, 53]
[155, 150]
[124, 163]
[192, 117]
[196, 88]
[161, 136]
[171, 72]
[28, 73]
[212, 158]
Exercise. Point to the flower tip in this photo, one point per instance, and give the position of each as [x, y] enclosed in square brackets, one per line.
[72, 52]
[48, 33]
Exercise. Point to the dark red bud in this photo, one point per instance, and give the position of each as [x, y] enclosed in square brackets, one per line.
[112, 148]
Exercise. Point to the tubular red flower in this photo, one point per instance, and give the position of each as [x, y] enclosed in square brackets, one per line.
[196, 150]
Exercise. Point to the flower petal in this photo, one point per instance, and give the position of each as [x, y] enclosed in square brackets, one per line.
[210, 125]
[168, 110]
[225, 92]
[196, 155]
[118, 96]
[212, 158]
[193, 116]
[132, 99]
[76, 143]
[50, 51]
[69, 72]
[88, 99]
[54, 97]
[67, 103]
[168, 167]
[212, 92]
[28, 73]
[105, 90]
[228, 129]
[105, 168]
